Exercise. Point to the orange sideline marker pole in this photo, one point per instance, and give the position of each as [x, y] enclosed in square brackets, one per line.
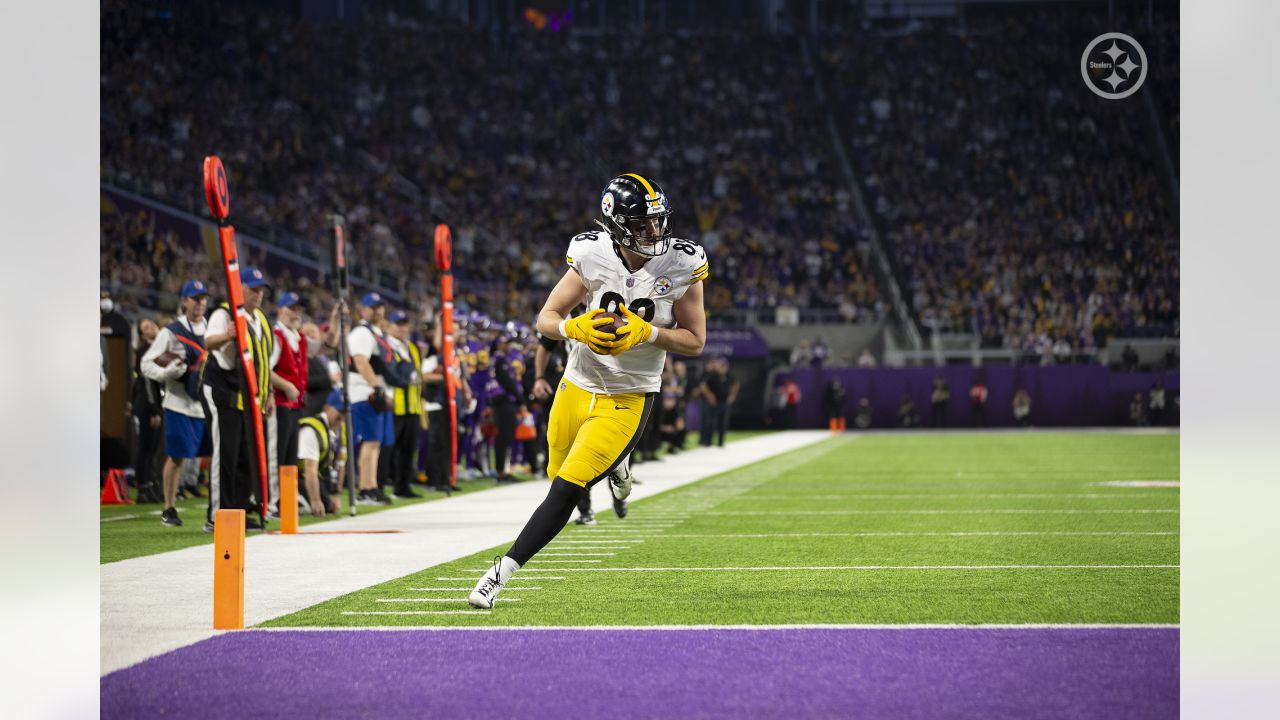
[288, 499]
[228, 570]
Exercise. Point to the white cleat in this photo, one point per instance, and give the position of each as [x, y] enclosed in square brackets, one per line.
[620, 480]
[491, 584]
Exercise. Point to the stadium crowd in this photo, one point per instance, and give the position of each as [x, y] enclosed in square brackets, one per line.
[506, 137]
[1016, 205]
[509, 143]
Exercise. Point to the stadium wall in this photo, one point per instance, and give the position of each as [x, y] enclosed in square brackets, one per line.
[843, 339]
[1061, 396]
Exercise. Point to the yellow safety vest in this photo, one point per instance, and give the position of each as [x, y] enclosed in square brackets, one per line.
[408, 401]
[260, 347]
[322, 430]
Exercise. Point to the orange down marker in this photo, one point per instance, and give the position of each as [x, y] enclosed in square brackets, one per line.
[288, 499]
[228, 570]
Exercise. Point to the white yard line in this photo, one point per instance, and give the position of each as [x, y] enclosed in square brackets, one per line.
[509, 585]
[467, 589]
[575, 554]
[154, 604]
[118, 518]
[448, 600]
[417, 612]
[593, 545]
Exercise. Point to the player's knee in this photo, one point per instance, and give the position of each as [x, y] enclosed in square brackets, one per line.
[562, 497]
[564, 491]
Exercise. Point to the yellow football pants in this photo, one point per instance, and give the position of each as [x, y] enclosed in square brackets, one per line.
[590, 433]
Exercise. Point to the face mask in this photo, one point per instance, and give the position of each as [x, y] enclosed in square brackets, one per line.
[106, 305]
[313, 347]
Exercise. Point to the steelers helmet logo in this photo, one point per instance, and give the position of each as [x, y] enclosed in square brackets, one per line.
[1114, 66]
[606, 204]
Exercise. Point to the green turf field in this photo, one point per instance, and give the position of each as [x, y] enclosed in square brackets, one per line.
[895, 528]
[128, 531]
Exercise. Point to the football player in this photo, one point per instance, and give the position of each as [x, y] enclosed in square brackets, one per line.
[634, 269]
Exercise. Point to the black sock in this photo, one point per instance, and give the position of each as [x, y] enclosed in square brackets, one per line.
[547, 521]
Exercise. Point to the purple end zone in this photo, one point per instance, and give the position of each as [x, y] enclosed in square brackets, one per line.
[787, 673]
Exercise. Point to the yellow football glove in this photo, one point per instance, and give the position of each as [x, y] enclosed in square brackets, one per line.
[637, 331]
[586, 329]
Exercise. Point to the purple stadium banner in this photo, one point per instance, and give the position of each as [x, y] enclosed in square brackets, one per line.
[1061, 396]
[735, 342]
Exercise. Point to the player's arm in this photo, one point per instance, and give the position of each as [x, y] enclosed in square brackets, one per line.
[689, 335]
[554, 321]
[541, 388]
[311, 480]
[565, 296]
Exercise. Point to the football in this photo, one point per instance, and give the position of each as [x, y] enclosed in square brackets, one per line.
[165, 359]
[615, 323]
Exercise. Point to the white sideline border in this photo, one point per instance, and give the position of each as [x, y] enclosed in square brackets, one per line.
[158, 603]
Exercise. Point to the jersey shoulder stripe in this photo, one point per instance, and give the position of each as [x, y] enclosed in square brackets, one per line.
[690, 259]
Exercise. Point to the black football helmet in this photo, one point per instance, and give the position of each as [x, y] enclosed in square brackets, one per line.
[635, 213]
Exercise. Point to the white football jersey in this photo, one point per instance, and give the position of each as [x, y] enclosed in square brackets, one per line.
[649, 292]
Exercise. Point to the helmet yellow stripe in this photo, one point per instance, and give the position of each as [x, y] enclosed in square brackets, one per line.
[647, 187]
